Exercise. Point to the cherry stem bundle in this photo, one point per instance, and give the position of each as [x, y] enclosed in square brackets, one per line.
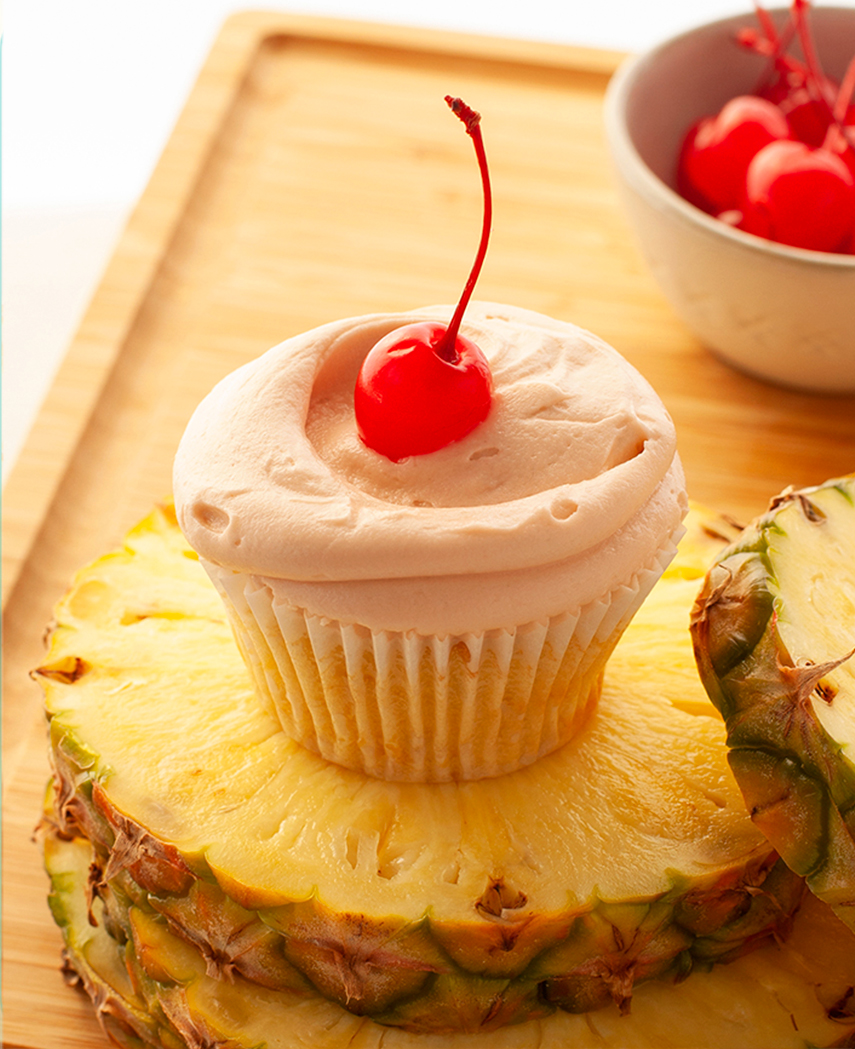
[446, 348]
[773, 46]
[800, 8]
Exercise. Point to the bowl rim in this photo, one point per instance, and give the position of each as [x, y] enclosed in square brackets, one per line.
[623, 149]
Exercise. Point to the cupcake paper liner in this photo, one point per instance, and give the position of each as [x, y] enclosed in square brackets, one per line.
[403, 706]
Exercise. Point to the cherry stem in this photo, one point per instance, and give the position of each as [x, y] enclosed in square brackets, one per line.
[841, 105]
[847, 89]
[767, 24]
[446, 348]
[820, 84]
[773, 45]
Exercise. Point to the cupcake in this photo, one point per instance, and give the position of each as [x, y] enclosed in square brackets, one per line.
[447, 616]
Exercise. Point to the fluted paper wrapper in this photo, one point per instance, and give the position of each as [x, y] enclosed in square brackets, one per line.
[402, 706]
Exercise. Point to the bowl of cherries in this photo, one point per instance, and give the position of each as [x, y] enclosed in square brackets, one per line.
[734, 149]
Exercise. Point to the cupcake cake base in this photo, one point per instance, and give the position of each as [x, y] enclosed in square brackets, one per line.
[402, 706]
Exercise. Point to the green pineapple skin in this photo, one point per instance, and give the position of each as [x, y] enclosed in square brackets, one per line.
[153, 990]
[93, 956]
[797, 781]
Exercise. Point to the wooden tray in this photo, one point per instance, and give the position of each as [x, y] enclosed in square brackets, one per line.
[316, 173]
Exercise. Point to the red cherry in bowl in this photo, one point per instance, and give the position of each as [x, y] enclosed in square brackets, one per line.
[840, 140]
[425, 386]
[717, 150]
[809, 118]
[799, 196]
[411, 400]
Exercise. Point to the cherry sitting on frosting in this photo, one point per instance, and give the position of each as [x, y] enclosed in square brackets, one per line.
[424, 386]
[411, 400]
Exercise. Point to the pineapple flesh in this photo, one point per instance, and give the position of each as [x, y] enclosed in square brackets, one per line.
[624, 858]
[153, 988]
[774, 632]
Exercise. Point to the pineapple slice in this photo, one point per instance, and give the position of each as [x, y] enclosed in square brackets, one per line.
[153, 988]
[92, 959]
[627, 855]
[774, 633]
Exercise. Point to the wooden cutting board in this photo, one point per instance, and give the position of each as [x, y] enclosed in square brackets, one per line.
[316, 173]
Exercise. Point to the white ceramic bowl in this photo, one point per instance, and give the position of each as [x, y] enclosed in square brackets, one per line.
[781, 314]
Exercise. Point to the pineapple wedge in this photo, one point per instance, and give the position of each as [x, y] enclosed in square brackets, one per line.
[774, 633]
[154, 989]
[625, 856]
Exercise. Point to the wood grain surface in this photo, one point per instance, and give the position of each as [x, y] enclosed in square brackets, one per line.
[316, 173]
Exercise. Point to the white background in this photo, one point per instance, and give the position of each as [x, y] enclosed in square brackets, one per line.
[92, 88]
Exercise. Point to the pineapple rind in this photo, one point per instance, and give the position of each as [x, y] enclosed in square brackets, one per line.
[783, 995]
[489, 917]
[91, 958]
[768, 648]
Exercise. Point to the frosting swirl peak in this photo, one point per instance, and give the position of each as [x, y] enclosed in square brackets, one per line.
[271, 477]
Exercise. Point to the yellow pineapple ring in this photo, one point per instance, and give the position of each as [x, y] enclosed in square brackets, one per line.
[626, 855]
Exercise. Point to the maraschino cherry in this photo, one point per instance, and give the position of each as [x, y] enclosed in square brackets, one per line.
[797, 187]
[424, 386]
[718, 149]
[781, 178]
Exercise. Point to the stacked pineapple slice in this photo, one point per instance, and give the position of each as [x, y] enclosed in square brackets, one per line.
[153, 988]
[246, 892]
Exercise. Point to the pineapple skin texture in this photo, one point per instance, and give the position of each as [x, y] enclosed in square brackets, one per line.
[773, 631]
[153, 988]
[501, 961]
